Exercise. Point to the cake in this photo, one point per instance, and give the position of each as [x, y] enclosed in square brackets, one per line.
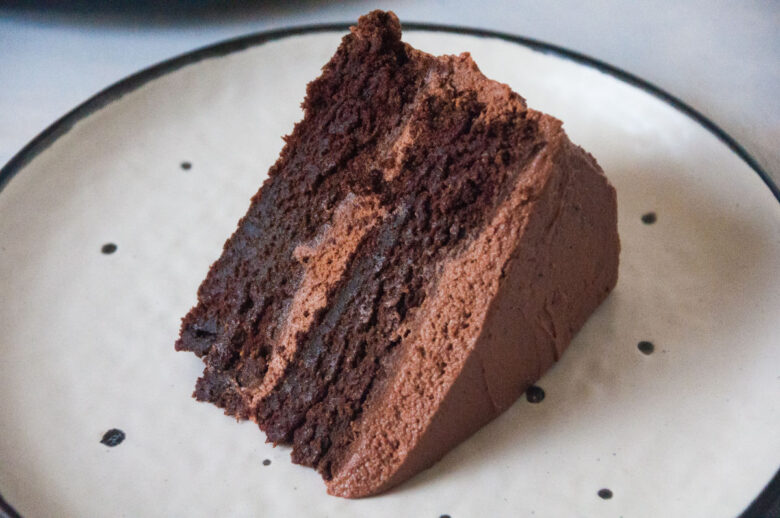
[422, 251]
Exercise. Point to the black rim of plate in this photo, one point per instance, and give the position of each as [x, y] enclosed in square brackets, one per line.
[767, 504]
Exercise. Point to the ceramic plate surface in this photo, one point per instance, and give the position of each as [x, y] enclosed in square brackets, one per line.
[162, 167]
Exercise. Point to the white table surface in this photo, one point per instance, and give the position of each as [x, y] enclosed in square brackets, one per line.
[722, 58]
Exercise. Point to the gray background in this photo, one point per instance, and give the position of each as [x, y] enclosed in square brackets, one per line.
[722, 58]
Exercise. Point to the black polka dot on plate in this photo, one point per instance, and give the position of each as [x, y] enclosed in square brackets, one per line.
[445, 516]
[605, 493]
[645, 347]
[266, 462]
[534, 394]
[108, 248]
[186, 166]
[113, 437]
[649, 218]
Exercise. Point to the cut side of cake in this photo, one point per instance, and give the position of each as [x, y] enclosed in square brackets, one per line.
[423, 250]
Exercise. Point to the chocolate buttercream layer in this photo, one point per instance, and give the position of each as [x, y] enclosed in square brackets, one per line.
[423, 250]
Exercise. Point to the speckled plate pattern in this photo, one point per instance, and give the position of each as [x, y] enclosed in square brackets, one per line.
[666, 404]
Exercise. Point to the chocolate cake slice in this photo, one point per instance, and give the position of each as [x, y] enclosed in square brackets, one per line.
[422, 251]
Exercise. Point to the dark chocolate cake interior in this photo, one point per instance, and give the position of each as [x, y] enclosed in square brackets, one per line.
[386, 128]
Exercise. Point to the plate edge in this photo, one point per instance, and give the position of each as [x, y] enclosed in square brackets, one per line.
[6, 511]
[134, 81]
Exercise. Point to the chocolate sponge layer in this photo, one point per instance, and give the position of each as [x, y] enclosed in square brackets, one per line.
[424, 249]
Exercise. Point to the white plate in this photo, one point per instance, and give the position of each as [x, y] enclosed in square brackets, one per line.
[86, 338]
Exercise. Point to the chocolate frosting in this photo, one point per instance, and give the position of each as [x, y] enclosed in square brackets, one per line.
[522, 290]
